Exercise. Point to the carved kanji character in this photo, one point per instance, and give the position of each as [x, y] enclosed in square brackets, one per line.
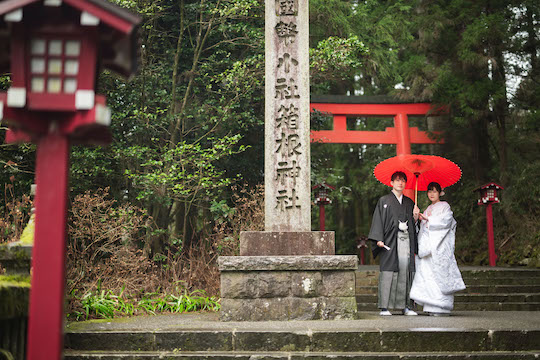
[289, 145]
[288, 117]
[281, 200]
[292, 201]
[286, 91]
[286, 7]
[284, 171]
[286, 32]
[286, 62]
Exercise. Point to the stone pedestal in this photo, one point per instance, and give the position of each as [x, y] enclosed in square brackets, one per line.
[261, 288]
[275, 243]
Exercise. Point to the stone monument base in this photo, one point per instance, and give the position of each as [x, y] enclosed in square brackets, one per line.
[261, 288]
[254, 243]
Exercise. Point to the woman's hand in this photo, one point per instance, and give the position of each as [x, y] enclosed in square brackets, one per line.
[416, 212]
[422, 217]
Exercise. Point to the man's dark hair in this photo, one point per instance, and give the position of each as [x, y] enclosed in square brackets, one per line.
[434, 186]
[400, 174]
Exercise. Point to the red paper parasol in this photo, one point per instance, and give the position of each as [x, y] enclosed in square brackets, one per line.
[420, 171]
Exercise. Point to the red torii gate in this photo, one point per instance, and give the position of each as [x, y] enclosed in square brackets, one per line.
[401, 134]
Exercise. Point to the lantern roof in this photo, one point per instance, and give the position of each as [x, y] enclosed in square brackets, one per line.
[489, 185]
[116, 17]
[323, 185]
[117, 27]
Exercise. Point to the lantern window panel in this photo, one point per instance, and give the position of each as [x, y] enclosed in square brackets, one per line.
[70, 85]
[57, 63]
[38, 84]
[37, 65]
[54, 66]
[71, 67]
[55, 47]
[54, 85]
[37, 47]
[73, 48]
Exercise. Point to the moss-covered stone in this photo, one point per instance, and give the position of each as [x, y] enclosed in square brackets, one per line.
[15, 259]
[14, 296]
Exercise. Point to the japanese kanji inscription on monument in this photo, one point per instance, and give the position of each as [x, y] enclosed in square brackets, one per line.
[287, 155]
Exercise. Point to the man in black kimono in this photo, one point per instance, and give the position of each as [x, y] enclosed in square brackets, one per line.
[393, 231]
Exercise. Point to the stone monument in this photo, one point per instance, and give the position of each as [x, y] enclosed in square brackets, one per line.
[287, 271]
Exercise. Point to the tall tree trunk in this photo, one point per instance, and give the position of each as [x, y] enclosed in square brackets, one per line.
[177, 59]
[500, 110]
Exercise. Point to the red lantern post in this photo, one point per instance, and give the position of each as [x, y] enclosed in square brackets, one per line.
[488, 196]
[361, 243]
[321, 198]
[53, 61]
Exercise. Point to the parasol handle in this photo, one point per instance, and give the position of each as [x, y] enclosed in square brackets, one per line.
[416, 189]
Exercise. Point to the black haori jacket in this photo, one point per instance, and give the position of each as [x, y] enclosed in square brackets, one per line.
[385, 228]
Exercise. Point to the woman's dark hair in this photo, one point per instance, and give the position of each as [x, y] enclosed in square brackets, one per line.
[434, 186]
[400, 174]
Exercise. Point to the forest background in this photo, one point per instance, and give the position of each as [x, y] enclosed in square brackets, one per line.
[184, 173]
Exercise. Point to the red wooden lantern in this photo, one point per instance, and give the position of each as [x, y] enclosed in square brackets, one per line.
[53, 50]
[489, 194]
[321, 198]
[322, 191]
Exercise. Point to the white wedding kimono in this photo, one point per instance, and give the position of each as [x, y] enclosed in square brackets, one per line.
[437, 275]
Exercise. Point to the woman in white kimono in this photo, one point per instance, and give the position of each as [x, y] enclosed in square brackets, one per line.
[437, 275]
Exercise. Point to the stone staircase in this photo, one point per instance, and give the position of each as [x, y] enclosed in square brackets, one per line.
[475, 332]
[477, 335]
[388, 345]
[488, 289]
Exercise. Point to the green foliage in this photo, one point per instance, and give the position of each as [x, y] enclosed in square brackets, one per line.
[108, 305]
[335, 60]
[5, 82]
[183, 173]
[221, 210]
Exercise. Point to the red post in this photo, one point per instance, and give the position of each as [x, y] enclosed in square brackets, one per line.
[491, 239]
[46, 314]
[362, 255]
[403, 144]
[321, 217]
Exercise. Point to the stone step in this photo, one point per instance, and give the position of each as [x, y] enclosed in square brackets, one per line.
[374, 280]
[502, 281]
[502, 289]
[370, 275]
[327, 341]
[495, 306]
[151, 355]
[500, 272]
[473, 298]
[471, 306]
[472, 289]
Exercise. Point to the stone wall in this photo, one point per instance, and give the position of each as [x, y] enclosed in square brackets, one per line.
[258, 288]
